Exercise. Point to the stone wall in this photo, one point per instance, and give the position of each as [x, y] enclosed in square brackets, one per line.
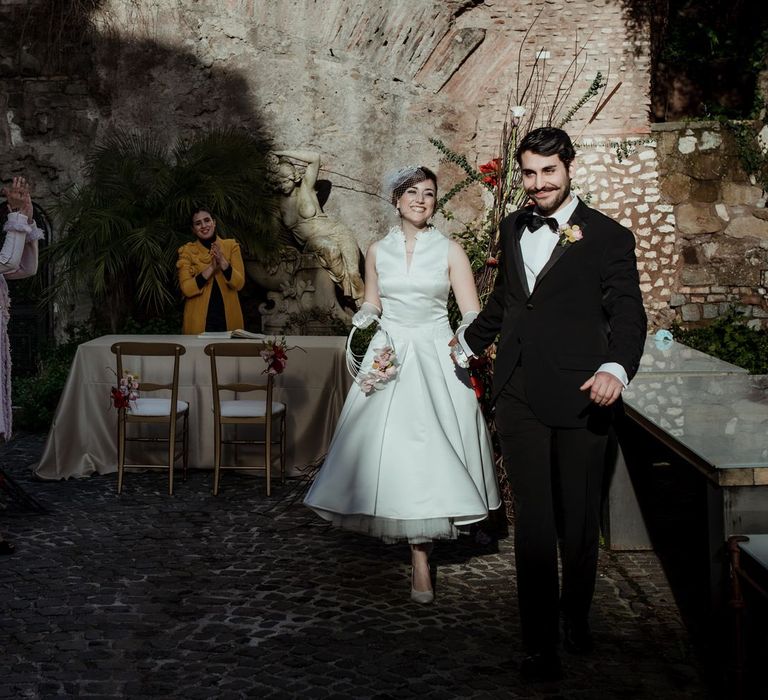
[626, 188]
[721, 224]
[366, 84]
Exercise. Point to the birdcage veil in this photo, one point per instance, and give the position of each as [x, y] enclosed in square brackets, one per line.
[398, 181]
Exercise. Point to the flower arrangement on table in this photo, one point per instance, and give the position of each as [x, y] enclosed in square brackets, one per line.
[126, 391]
[383, 369]
[275, 355]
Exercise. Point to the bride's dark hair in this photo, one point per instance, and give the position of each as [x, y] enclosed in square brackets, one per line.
[405, 177]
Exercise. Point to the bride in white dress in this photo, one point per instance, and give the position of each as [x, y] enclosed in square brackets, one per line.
[412, 459]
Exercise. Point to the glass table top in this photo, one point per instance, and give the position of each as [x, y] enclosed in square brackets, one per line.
[676, 358]
[757, 548]
[722, 418]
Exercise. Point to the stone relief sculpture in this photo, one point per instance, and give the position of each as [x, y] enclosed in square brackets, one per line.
[301, 213]
[305, 282]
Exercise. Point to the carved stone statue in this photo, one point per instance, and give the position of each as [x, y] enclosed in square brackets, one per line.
[301, 297]
[301, 213]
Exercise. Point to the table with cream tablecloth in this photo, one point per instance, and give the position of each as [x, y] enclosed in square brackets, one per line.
[82, 438]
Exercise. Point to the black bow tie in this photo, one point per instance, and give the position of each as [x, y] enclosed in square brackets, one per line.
[534, 222]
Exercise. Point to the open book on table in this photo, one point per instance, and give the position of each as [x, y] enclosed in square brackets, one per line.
[240, 333]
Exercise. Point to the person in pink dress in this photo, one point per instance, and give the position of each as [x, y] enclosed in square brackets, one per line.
[18, 259]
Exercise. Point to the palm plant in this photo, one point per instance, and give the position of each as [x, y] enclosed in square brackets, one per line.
[122, 227]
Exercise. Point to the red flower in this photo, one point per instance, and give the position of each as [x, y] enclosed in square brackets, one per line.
[119, 399]
[477, 385]
[492, 262]
[492, 171]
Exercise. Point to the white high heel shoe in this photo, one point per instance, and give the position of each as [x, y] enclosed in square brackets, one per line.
[423, 597]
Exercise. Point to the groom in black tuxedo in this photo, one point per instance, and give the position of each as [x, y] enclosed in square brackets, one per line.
[568, 309]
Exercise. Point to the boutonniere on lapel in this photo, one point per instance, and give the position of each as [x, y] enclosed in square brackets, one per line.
[569, 234]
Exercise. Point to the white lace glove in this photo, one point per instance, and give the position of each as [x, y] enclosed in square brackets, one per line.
[367, 314]
[460, 357]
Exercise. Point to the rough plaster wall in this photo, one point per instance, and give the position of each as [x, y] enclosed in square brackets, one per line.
[365, 83]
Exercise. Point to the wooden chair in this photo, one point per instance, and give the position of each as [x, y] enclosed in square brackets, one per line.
[748, 556]
[245, 411]
[153, 410]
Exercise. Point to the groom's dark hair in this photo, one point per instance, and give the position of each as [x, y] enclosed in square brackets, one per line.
[547, 141]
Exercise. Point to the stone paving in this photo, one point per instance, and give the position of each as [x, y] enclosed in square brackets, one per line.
[240, 596]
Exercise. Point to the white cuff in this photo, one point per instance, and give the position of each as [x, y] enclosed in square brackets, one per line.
[616, 370]
[18, 223]
[367, 314]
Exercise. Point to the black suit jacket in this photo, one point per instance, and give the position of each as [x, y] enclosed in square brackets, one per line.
[585, 309]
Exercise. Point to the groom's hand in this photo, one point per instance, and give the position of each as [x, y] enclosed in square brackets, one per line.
[452, 343]
[603, 388]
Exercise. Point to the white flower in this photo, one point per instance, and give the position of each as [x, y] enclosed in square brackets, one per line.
[518, 111]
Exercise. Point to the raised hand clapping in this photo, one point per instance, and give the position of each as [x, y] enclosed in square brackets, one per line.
[218, 257]
[19, 197]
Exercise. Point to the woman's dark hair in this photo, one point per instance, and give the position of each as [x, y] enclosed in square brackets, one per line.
[199, 209]
[412, 176]
[547, 141]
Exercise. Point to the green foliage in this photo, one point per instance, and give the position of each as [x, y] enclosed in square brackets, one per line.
[122, 228]
[597, 84]
[717, 49]
[730, 339]
[627, 147]
[753, 160]
[35, 397]
[362, 339]
[451, 156]
[169, 324]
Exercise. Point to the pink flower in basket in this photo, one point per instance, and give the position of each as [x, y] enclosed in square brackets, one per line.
[383, 369]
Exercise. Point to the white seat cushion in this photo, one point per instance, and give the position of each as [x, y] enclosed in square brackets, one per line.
[155, 407]
[249, 408]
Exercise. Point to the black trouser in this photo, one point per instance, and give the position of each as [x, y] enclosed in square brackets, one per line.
[556, 476]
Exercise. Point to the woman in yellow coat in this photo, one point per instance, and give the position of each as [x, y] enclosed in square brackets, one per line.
[210, 275]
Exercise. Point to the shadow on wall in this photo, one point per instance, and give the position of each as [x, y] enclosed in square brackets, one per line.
[67, 80]
[61, 64]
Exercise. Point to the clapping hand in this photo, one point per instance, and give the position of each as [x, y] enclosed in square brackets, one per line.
[19, 198]
[219, 261]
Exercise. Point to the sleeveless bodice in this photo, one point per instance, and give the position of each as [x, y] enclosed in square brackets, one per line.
[415, 296]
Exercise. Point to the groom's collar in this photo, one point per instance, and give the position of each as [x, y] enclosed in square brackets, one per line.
[562, 216]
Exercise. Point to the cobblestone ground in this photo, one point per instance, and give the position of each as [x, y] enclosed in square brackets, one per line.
[240, 596]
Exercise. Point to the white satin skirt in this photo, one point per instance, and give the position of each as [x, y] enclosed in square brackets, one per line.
[413, 460]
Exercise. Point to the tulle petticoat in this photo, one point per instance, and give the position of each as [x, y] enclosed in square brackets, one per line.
[394, 531]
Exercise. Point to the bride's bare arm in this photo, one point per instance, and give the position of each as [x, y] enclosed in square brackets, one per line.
[371, 277]
[462, 280]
